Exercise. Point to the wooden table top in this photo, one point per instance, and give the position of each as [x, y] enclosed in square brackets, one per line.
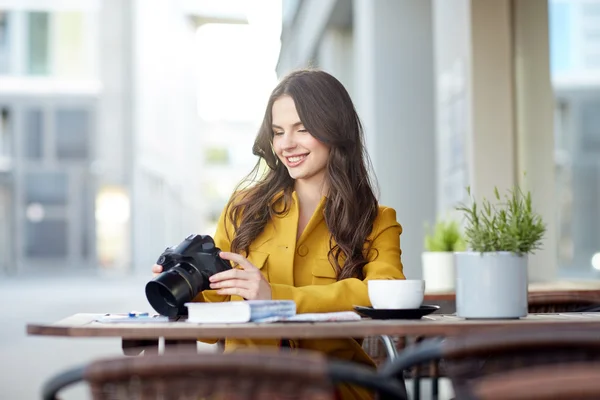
[86, 325]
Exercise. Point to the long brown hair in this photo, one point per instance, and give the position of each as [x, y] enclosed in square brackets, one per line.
[327, 112]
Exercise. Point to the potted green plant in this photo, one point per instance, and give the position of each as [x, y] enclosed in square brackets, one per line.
[491, 277]
[437, 260]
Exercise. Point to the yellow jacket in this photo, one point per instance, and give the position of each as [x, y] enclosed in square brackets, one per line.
[299, 270]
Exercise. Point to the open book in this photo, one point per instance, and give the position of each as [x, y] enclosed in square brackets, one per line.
[317, 317]
[239, 311]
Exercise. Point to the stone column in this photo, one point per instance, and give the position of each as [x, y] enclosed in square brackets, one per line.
[394, 94]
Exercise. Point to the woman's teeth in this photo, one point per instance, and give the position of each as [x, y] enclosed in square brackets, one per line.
[296, 159]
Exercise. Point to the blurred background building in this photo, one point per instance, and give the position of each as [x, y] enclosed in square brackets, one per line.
[125, 125]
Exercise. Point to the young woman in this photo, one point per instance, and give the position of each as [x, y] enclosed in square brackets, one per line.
[310, 229]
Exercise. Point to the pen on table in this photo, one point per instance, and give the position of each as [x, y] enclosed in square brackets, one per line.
[137, 314]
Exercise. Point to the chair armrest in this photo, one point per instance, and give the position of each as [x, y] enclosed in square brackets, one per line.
[425, 351]
[356, 374]
[58, 382]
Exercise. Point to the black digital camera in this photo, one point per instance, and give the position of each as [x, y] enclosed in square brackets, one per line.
[186, 269]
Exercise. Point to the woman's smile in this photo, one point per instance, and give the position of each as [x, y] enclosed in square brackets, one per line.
[295, 160]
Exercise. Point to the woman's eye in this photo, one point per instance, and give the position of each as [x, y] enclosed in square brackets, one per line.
[302, 130]
[277, 133]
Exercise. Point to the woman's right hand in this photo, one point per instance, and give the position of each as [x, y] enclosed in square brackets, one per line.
[156, 269]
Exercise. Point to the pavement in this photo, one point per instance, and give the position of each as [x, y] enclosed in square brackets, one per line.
[26, 362]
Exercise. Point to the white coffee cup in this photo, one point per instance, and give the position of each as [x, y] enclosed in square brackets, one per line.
[396, 293]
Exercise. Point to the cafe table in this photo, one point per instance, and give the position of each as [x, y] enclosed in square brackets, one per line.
[87, 325]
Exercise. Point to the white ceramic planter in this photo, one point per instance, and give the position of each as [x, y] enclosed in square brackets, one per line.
[438, 271]
[491, 285]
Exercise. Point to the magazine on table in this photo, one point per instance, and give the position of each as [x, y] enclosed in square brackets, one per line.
[258, 311]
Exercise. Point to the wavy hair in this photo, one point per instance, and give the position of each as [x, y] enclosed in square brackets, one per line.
[327, 112]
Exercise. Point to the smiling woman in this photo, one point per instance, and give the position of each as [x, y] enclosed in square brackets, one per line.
[310, 228]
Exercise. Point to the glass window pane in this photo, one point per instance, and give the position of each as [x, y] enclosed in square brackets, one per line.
[68, 49]
[4, 42]
[590, 127]
[47, 188]
[46, 238]
[34, 124]
[5, 134]
[72, 134]
[586, 198]
[38, 47]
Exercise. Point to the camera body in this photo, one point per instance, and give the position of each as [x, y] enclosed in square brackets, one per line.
[186, 269]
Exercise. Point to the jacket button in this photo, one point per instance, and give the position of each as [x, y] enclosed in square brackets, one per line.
[302, 250]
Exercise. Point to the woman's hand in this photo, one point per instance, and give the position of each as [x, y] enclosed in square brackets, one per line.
[246, 282]
[156, 269]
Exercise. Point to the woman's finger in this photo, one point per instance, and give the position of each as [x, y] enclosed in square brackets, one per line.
[157, 269]
[231, 283]
[231, 274]
[238, 259]
[236, 292]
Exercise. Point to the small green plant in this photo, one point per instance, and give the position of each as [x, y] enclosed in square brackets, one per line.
[510, 225]
[445, 236]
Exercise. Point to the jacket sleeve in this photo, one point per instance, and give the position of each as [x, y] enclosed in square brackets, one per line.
[384, 263]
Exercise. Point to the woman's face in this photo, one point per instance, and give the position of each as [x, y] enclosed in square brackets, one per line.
[304, 156]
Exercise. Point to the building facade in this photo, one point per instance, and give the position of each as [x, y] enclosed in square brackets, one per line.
[108, 150]
[49, 95]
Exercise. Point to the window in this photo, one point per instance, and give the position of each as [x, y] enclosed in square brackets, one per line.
[4, 42]
[34, 125]
[53, 43]
[47, 238]
[590, 128]
[39, 43]
[69, 46]
[578, 184]
[72, 134]
[46, 188]
[5, 133]
[58, 44]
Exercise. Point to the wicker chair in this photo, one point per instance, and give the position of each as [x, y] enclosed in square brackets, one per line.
[235, 376]
[468, 359]
[547, 302]
[577, 382]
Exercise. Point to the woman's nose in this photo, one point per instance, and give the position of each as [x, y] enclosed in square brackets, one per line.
[287, 142]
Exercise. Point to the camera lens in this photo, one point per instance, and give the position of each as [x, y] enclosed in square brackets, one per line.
[169, 291]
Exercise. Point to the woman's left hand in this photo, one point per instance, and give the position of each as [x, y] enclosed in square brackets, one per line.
[246, 282]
